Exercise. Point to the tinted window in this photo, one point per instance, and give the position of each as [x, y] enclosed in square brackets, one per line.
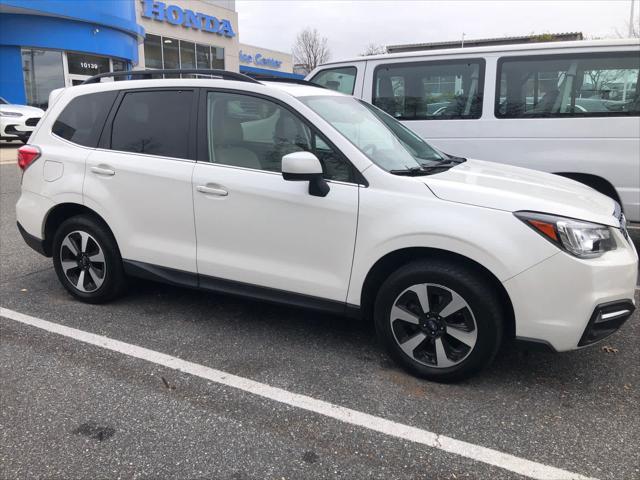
[339, 79]
[251, 132]
[155, 122]
[430, 90]
[569, 85]
[82, 120]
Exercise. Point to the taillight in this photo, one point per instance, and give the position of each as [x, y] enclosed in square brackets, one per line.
[27, 154]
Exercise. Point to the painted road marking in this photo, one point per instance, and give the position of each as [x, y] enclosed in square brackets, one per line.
[478, 453]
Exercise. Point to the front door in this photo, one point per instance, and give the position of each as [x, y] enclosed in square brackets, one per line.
[253, 226]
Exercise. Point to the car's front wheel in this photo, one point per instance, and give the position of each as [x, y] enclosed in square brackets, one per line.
[87, 260]
[439, 320]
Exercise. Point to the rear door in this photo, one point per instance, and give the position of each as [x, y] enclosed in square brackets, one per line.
[139, 179]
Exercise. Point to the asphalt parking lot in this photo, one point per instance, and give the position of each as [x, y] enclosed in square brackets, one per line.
[75, 410]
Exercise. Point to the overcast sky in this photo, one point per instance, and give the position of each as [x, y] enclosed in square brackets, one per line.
[351, 25]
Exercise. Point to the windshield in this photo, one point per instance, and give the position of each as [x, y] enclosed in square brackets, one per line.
[387, 142]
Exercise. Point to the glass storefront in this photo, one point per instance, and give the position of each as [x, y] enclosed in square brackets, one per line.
[46, 70]
[43, 72]
[166, 52]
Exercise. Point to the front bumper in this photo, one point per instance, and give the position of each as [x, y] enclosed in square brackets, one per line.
[17, 128]
[557, 301]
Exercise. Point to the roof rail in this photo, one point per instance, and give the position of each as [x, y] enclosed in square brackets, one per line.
[148, 74]
[298, 81]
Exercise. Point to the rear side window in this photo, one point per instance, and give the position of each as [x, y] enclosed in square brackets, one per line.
[153, 122]
[82, 119]
[430, 90]
[584, 85]
[339, 79]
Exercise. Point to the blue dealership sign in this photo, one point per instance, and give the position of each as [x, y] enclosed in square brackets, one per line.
[259, 59]
[175, 15]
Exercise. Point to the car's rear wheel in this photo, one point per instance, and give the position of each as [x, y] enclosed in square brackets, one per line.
[87, 260]
[439, 320]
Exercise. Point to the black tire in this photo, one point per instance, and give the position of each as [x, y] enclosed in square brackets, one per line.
[113, 279]
[474, 288]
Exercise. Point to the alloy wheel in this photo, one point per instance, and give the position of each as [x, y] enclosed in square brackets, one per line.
[433, 325]
[82, 261]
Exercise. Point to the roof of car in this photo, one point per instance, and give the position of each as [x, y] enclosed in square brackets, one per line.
[297, 90]
[577, 44]
[293, 89]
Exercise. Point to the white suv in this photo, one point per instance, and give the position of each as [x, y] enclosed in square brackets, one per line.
[297, 194]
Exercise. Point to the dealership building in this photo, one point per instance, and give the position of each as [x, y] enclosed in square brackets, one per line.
[55, 43]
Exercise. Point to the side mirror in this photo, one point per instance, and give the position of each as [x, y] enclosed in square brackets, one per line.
[305, 167]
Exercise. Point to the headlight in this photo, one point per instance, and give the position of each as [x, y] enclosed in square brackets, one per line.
[581, 239]
[10, 114]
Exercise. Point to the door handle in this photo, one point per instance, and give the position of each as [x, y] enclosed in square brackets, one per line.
[219, 192]
[103, 171]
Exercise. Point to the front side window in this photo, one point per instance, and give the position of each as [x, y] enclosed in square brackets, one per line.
[153, 122]
[430, 90]
[339, 79]
[82, 119]
[603, 84]
[383, 139]
[252, 132]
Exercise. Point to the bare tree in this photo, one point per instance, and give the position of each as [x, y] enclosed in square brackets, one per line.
[310, 49]
[632, 29]
[374, 49]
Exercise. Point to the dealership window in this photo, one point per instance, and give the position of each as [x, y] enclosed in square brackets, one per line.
[430, 90]
[43, 72]
[153, 51]
[339, 79]
[187, 54]
[217, 58]
[170, 52]
[166, 52]
[155, 123]
[569, 85]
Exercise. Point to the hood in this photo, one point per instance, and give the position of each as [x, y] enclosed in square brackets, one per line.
[504, 187]
[23, 109]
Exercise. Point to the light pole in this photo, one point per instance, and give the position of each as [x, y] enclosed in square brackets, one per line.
[631, 29]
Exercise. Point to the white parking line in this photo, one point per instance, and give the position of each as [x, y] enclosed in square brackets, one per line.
[346, 415]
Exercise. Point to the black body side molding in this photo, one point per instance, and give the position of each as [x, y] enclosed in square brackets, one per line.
[203, 282]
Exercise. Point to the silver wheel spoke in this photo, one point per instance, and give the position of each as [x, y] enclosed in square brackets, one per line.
[93, 273]
[468, 338]
[70, 245]
[80, 283]
[421, 292]
[410, 345]
[457, 303]
[84, 241]
[441, 356]
[68, 265]
[399, 313]
[98, 257]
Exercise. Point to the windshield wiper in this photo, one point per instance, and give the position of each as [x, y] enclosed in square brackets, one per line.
[411, 171]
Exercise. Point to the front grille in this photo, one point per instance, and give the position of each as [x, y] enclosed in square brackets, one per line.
[32, 122]
[605, 320]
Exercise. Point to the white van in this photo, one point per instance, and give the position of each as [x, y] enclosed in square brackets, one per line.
[571, 108]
